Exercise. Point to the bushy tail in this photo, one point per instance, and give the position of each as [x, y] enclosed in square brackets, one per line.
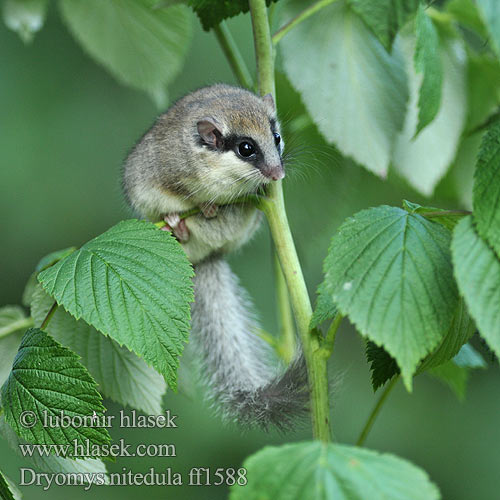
[235, 360]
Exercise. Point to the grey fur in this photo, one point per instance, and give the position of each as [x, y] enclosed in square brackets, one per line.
[172, 169]
[236, 359]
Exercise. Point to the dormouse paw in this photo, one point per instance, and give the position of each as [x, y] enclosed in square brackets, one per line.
[177, 225]
[209, 210]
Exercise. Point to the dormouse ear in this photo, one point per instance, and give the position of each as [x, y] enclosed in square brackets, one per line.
[210, 132]
[269, 100]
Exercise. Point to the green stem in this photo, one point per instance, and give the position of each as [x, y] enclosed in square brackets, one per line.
[274, 209]
[20, 324]
[233, 55]
[315, 7]
[376, 410]
[328, 343]
[47, 319]
[444, 213]
[286, 343]
[263, 47]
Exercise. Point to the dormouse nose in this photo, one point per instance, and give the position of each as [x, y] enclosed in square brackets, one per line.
[274, 172]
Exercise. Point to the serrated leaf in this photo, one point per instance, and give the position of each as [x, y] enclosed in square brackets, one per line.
[323, 471]
[52, 463]
[120, 374]
[7, 489]
[212, 12]
[132, 283]
[325, 308]
[25, 17]
[141, 46]
[382, 365]
[47, 377]
[490, 11]
[354, 90]
[425, 159]
[447, 218]
[487, 188]
[428, 63]
[385, 17]
[390, 272]
[477, 270]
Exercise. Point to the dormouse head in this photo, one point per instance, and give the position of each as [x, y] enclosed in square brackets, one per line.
[243, 131]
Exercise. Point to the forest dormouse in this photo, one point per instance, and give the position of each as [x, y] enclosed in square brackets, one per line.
[210, 148]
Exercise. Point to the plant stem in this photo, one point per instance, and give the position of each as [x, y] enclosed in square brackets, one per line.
[376, 410]
[20, 324]
[274, 209]
[233, 55]
[47, 319]
[315, 7]
[328, 343]
[286, 343]
[263, 47]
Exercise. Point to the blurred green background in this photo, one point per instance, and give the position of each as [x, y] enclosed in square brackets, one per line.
[66, 127]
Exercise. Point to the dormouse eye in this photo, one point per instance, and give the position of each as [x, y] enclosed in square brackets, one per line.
[277, 138]
[246, 149]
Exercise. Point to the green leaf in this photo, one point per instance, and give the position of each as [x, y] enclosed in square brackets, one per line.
[7, 490]
[468, 357]
[52, 463]
[120, 374]
[428, 63]
[44, 263]
[12, 319]
[25, 17]
[53, 257]
[354, 90]
[323, 471]
[455, 373]
[212, 12]
[385, 17]
[13, 323]
[47, 377]
[423, 160]
[325, 307]
[483, 88]
[461, 331]
[466, 13]
[382, 365]
[141, 46]
[390, 272]
[477, 270]
[447, 218]
[132, 283]
[487, 188]
[490, 10]
[454, 376]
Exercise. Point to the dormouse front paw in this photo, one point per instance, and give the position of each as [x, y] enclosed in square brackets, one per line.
[177, 226]
[209, 210]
